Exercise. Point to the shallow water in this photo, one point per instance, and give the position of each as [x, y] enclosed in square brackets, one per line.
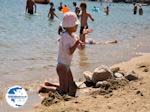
[28, 44]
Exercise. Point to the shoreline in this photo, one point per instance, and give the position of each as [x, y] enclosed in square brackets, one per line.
[125, 96]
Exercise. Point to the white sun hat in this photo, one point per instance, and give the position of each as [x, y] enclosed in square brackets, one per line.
[70, 20]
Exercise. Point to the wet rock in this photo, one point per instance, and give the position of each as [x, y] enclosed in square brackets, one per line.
[89, 84]
[88, 76]
[131, 77]
[114, 69]
[101, 73]
[118, 75]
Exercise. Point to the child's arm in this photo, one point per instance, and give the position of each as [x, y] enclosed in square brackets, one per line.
[56, 15]
[73, 48]
[91, 17]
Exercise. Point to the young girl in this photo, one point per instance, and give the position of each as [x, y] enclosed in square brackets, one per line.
[67, 46]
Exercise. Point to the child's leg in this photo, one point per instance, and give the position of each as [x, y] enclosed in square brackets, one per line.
[46, 83]
[71, 84]
[46, 89]
[62, 73]
[82, 37]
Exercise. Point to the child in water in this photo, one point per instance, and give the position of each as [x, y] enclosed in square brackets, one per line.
[84, 19]
[51, 13]
[140, 10]
[30, 5]
[77, 9]
[106, 10]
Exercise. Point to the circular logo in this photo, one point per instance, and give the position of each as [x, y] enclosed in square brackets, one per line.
[16, 96]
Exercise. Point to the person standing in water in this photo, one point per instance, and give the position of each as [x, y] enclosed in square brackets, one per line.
[106, 10]
[30, 6]
[84, 18]
[77, 9]
[51, 13]
[134, 8]
[140, 10]
[60, 6]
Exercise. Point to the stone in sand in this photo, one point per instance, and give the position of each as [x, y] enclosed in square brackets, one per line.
[114, 69]
[118, 75]
[101, 73]
[131, 77]
[88, 76]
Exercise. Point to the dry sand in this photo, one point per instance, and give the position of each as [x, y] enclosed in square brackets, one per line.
[134, 97]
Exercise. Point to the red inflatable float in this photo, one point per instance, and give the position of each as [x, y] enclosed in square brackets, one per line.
[42, 1]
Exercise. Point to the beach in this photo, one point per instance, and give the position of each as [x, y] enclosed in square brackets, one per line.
[122, 100]
[29, 47]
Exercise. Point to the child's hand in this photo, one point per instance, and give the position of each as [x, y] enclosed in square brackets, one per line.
[86, 31]
[81, 44]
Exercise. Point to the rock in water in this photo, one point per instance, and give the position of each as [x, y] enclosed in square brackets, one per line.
[101, 73]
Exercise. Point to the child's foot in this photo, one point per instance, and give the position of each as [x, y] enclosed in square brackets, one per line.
[46, 83]
[43, 90]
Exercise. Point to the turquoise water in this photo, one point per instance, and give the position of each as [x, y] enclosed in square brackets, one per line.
[28, 43]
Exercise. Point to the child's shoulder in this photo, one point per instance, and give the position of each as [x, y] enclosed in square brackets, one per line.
[88, 13]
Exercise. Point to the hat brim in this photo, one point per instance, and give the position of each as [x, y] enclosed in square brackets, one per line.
[76, 23]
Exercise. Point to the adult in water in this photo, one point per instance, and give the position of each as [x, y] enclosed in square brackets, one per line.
[30, 6]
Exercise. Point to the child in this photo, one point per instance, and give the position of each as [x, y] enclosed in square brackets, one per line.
[134, 8]
[84, 19]
[67, 46]
[140, 10]
[51, 13]
[77, 10]
[60, 6]
[29, 6]
[106, 10]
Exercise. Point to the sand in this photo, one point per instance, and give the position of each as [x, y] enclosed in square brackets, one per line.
[134, 97]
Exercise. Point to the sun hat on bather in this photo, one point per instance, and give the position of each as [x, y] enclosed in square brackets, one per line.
[70, 20]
